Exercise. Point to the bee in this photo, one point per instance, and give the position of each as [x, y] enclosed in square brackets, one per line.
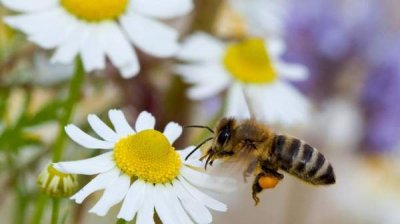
[268, 151]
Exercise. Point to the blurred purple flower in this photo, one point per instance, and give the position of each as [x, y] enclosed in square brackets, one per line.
[380, 100]
[326, 35]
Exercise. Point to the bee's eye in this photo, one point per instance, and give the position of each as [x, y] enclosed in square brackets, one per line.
[224, 136]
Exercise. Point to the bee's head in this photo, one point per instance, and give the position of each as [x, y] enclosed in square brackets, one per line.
[224, 141]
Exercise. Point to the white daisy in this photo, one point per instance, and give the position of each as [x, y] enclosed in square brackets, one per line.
[95, 29]
[250, 69]
[144, 171]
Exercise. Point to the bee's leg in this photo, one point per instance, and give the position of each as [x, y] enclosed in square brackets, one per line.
[265, 170]
[271, 171]
[250, 169]
[257, 188]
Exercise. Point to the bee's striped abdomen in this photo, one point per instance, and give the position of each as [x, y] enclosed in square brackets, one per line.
[302, 160]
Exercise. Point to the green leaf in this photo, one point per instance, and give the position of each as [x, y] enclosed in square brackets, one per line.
[47, 113]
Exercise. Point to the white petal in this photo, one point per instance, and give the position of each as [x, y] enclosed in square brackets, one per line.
[134, 200]
[275, 47]
[281, 103]
[145, 121]
[184, 152]
[102, 129]
[29, 5]
[206, 181]
[294, 72]
[205, 91]
[203, 73]
[162, 9]
[176, 205]
[209, 79]
[271, 107]
[70, 48]
[130, 70]
[146, 211]
[120, 123]
[205, 199]
[172, 131]
[113, 194]
[85, 140]
[101, 181]
[151, 36]
[94, 165]
[194, 163]
[263, 18]
[118, 49]
[92, 51]
[193, 160]
[32, 23]
[196, 210]
[59, 23]
[162, 206]
[236, 103]
[201, 47]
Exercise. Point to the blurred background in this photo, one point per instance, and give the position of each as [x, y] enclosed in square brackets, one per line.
[352, 49]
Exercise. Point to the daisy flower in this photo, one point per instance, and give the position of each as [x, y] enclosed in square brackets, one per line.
[96, 29]
[252, 72]
[143, 170]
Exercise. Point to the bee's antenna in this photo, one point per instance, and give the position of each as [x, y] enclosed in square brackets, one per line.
[197, 147]
[200, 126]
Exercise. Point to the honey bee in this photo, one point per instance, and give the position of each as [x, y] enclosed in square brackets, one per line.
[269, 152]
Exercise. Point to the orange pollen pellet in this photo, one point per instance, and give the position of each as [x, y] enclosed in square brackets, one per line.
[268, 182]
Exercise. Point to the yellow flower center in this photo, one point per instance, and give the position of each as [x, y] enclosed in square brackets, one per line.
[149, 156]
[95, 10]
[249, 62]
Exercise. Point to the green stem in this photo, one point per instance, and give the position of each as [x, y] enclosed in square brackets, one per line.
[59, 145]
[55, 211]
[22, 204]
[73, 97]
[39, 209]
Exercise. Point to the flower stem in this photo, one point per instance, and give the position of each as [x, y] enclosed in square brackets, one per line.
[55, 210]
[39, 209]
[59, 145]
[74, 91]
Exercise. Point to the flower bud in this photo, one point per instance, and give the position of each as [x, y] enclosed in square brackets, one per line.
[56, 184]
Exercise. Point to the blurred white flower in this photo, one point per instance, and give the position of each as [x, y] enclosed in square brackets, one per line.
[253, 73]
[253, 17]
[96, 29]
[144, 171]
